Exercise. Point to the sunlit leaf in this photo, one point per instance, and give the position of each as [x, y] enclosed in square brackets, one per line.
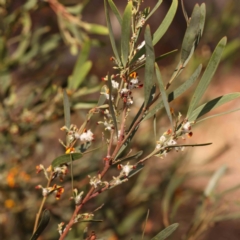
[45, 218]
[214, 103]
[219, 114]
[149, 66]
[115, 11]
[165, 233]
[65, 159]
[79, 75]
[126, 32]
[207, 76]
[166, 22]
[95, 28]
[163, 94]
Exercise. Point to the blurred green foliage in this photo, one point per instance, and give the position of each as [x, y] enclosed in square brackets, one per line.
[32, 56]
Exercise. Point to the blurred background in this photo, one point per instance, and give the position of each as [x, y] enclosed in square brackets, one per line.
[40, 45]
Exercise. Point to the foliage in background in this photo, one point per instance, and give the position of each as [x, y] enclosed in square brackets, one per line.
[173, 180]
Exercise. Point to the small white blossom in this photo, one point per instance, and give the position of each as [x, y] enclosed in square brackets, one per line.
[124, 90]
[107, 125]
[86, 136]
[126, 169]
[115, 84]
[186, 127]
[171, 142]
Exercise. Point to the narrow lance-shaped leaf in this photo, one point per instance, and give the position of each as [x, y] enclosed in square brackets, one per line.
[156, 60]
[163, 94]
[81, 68]
[111, 107]
[166, 22]
[66, 158]
[154, 9]
[115, 11]
[176, 93]
[126, 32]
[207, 76]
[115, 51]
[165, 233]
[66, 107]
[79, 75]
[149, 66]
[214, 103]
[45, 218]
[219, 114]
[191, 36]
[214, 180]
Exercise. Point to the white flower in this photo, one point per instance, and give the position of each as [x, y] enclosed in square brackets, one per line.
[115, 84]
[162, 139]
[129, 101]
[107, 125]
[86, 136]
[186, 127]
[126, 169]
[124, 90]
[171, 142]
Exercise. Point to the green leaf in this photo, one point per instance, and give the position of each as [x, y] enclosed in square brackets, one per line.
[176, 93]
[115, 11]
[84, 105]
[66, 107]
[219, 114]
[149, 66]
[102, 97]
[81, 67]
[127, 158]
[214, 103]
[231, 48]
[175, 182]
[191, 36]
[154, 9]
[165, 23]
[126, 32]
[214, 180]
[207, 76]
[95, 28]
[163, 94]
[166, 232]
[26, 37]
[156, 60]
[66, 158]
[111, 107]
[111, 36]
[45, 218]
